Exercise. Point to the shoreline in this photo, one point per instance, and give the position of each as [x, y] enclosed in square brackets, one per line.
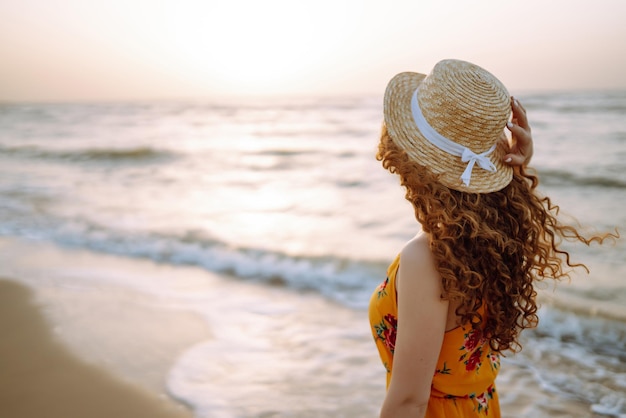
[147, 335]
[41, 377]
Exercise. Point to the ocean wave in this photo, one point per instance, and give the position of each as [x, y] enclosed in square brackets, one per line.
[348, 184]
[135, 154]
[618, 108]
[283, 152]
[316, 131]
[553, 177]
[579, 355]
[578, 103]
[346, 281]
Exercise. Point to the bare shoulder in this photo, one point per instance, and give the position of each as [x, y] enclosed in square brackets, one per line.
[417, 261]
[417, 250]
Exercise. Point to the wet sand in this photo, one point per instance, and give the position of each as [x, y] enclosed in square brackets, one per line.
[39, 377]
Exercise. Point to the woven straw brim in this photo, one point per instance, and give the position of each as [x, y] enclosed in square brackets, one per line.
[404, 132]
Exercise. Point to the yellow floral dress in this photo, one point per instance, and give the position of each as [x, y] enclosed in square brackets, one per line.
[464, 380]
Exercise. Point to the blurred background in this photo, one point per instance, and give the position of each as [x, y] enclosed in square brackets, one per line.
[64, 50]
[189, 190]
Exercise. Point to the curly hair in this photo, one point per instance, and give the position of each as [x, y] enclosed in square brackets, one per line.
[488, 247]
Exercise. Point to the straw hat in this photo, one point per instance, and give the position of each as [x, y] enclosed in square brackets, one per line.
[464, 104]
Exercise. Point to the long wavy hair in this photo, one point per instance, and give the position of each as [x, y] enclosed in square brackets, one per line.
[488, 247]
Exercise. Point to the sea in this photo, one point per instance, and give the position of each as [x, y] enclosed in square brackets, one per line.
[282, 201]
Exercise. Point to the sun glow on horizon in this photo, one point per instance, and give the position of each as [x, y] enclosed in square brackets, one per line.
[134, 49]
[254, 47]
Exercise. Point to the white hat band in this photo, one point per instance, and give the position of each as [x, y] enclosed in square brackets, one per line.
[467, 155]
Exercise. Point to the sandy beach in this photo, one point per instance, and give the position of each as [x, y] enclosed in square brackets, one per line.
[41, 378]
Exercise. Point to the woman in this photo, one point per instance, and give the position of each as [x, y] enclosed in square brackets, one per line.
[460, 292]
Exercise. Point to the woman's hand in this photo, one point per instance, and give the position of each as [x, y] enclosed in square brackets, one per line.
[521, 149]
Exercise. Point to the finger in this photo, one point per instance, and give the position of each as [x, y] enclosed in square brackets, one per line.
[514, 159]
[521, 106]
[519, 113]
[517, 130]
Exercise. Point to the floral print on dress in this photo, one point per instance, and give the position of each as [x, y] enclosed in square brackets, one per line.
[386, 331]
[494, 360]
[382, 288]
[443, 370]
[482, 400]
[472, 350]
[473, 339]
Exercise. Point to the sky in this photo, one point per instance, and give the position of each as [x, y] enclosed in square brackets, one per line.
[73, 50]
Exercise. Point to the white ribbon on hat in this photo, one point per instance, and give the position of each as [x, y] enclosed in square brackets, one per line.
[467, 155]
